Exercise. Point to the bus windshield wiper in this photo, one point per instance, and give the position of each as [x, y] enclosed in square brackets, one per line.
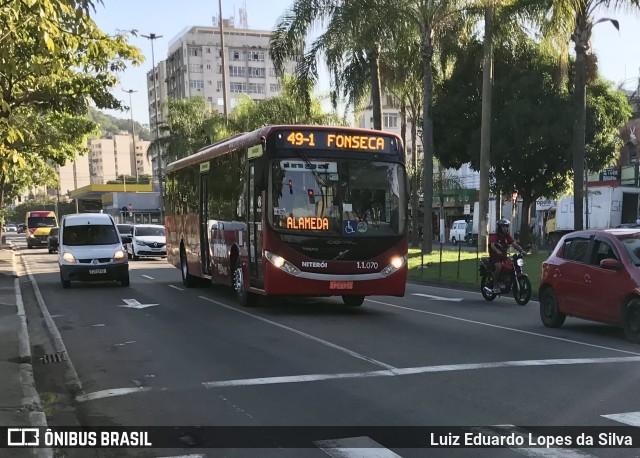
[341, 255]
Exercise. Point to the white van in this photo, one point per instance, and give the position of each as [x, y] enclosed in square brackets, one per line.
[458, 231]
[90, 249]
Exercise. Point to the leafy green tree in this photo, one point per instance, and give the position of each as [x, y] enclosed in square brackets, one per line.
[574, 20]
[110, 125]
[530, 120]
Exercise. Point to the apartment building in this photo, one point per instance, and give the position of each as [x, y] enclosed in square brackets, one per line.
[111, 157]
[74, 174]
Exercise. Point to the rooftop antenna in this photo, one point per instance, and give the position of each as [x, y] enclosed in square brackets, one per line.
[244, 19]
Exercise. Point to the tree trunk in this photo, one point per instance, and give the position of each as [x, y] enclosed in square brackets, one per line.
[415, 239]
[485, 132]
[581, 38]
[527, 200]
[376, 89]
[427, 140]
[3, 178]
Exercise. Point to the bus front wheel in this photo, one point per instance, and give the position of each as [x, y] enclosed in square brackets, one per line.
[244, 297]
[188, 280]
[353, 301]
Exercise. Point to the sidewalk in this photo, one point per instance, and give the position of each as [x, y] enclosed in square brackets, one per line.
[17, 392]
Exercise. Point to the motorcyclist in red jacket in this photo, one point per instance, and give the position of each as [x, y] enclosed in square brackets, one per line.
[499, 250]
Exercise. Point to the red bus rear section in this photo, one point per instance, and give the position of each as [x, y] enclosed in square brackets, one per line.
[292, 210]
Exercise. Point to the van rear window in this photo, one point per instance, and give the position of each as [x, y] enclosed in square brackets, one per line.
[94, 234]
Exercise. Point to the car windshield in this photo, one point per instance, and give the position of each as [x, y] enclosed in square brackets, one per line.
[94, 234]
[357, 198]
[125, 228]
[632, 245]
[150, 231]
[41, 221]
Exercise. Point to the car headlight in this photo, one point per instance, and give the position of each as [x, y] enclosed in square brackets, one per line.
[395, 264]
[119, 254]
[281, 263]
[520, 262]
[69, 257]
[140, 242]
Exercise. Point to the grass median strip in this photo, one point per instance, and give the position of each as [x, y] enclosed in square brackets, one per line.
[449, 269]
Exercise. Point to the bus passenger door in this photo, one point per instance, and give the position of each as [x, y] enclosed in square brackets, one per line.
[203, 216]
[256, 202]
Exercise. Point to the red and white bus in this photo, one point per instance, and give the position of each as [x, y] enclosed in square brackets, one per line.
[292, 210]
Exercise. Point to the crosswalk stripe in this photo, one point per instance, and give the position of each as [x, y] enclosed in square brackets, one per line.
[628, 418]
[355, 447]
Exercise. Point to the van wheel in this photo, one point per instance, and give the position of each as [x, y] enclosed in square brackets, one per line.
[188, 280]
[66, 284]
[353, 301]
[454, 241]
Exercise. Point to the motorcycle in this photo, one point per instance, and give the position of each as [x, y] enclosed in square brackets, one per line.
[512, 278]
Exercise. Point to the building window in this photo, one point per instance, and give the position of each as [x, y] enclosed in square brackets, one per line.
[238, 87]
[208, 50]
[256, 88]
[237, 55]
[196, 84]
[390, 120]
[209, 82]
[256, 56]
[272, 72]
[194, 52]
[195, 68]
[208, 66]
[219, 86]
[274, 87]
[256, 72]
[237, 71]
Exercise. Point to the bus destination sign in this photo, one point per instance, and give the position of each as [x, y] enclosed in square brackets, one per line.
[335, 141]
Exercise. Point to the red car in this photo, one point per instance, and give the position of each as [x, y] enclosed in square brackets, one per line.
[594, 275]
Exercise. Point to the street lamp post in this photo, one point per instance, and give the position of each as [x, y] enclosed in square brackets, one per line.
[133, 131]
[152, 37]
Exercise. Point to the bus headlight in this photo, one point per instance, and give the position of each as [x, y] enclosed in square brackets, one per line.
[396, 263]
[281, 263]
[69, 257]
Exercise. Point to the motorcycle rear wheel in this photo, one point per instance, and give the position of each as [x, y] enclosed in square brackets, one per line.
[487, 282]
[522, 296]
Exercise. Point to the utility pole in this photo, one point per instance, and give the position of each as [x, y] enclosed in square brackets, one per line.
[152, 37]
[133, 132]
[224, 65]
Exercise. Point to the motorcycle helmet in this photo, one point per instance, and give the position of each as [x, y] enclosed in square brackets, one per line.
[503, 222]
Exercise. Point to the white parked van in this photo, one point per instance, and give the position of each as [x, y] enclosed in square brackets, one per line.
[458, 231]
[90, 249]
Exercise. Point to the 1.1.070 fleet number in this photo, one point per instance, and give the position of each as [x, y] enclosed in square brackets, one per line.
[367, 265]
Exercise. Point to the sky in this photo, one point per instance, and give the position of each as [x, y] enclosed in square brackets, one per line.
[618, 52]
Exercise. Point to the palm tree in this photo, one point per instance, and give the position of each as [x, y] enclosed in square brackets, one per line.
[433, 18]
[351, 46]
[574, 19]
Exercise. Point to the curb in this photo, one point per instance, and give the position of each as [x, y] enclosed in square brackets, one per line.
[30, 398]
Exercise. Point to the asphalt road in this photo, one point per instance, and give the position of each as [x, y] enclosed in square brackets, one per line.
[436, 357]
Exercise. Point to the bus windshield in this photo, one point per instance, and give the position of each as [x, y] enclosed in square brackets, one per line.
[342, 197]
[41, 221]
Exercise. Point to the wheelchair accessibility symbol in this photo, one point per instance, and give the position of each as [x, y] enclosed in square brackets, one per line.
[349, 227]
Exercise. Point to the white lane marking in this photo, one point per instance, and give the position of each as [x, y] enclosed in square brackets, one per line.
[628, 418]
[56, 316]
[150, 278]
[100, 325]
[110, 393]
[175, 287]
[184, 456]
[419, 370]
[504, 327]
[508, 430]
[123, 344]
[303, 334]
[134, 304]
[354, 447]
[457, 291]
[438, 298]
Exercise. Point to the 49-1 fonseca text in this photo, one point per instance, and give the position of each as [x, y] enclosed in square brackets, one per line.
[482, 439]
